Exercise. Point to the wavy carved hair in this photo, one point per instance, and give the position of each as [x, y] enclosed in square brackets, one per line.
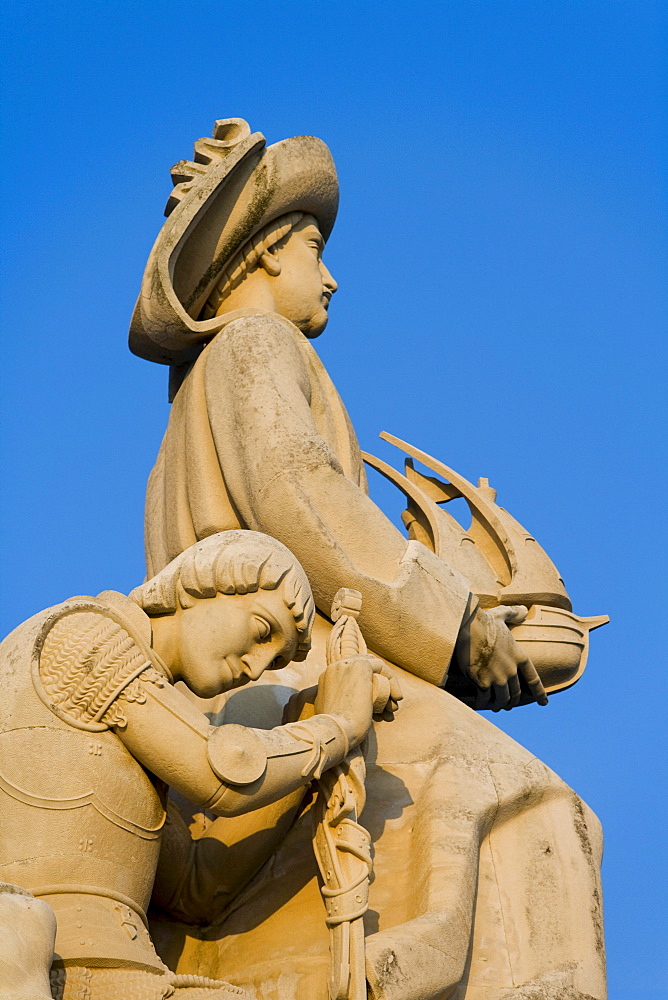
[232, 562]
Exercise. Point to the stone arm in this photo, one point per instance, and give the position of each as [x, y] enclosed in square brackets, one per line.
[227, 769]
[284, 479]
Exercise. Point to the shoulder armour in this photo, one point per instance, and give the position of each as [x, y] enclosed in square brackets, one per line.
[86, 655]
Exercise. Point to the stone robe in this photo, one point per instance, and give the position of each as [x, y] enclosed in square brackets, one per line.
[486, 863]
[259, 438]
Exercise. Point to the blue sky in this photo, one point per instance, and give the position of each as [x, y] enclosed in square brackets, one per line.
[501, 253]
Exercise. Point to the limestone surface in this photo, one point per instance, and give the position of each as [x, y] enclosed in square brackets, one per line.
[486, 865]
[264, 772]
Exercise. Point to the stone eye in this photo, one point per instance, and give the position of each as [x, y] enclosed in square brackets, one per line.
[263, 628]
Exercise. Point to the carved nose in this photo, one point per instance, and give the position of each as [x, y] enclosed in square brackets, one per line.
[258, 663]
[328, 281]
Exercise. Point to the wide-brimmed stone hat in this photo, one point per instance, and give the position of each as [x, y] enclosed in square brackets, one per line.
[233, 187]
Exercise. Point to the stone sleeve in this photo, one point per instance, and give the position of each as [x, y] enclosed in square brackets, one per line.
[285, 480]
[260, 766]
[228, 769]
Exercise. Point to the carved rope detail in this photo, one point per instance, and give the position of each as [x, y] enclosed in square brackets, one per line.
[341, 844]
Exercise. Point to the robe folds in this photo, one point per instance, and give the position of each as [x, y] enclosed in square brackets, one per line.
[486, 882]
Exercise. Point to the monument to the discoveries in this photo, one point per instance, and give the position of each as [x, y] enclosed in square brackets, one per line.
[306, 853]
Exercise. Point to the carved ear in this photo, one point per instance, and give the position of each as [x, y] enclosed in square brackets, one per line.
[270, 262]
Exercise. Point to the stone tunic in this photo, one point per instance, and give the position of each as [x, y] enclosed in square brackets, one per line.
[258, 438]
[82, 820]
[92, 731]
[486, 879]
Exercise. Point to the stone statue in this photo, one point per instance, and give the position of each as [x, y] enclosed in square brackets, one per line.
[93, 733]
[199, 786]
[486, 881]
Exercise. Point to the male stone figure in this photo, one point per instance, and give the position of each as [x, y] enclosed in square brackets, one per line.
[93, 732]
[486, 866]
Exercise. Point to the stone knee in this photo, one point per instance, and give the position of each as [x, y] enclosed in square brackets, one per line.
[27, 936]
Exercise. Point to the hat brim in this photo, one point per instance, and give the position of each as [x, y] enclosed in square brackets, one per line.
[237, 197]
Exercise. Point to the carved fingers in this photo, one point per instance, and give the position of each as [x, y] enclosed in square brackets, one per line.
[487, 653]
[515, 691]
[530, 675]
[386, 691]
[356, 688]
[345, 689]
[511, 615]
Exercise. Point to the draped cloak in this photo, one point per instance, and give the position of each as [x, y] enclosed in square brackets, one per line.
[486, 878]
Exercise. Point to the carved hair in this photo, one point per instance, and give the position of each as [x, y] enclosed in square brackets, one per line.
[247, 259]
[232, 562]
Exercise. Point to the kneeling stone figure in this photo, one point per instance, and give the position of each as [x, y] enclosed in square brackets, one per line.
[93, 733]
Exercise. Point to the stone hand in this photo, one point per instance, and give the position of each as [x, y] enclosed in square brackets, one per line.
[386, 692]
[487, 653]
[386, 697]
[346, 690]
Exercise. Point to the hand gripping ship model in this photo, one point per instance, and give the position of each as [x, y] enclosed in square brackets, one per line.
[485, 882]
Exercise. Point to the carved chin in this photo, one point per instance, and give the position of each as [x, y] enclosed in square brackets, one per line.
[316, 324]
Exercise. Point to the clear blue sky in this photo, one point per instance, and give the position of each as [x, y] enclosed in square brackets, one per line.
[501, 252]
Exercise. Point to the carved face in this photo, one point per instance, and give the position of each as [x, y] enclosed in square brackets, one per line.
[225, 641]
[304, 287]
